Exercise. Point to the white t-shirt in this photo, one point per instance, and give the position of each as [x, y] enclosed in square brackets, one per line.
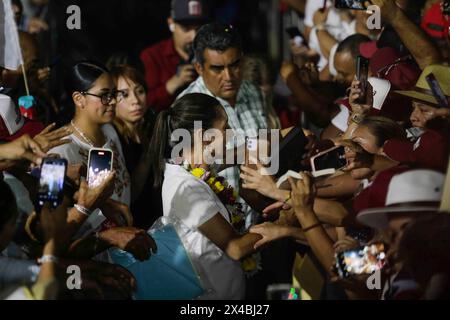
[192, 202]
[78, 151]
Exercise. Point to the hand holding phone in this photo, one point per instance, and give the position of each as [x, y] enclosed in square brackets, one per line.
[359, 261]
[362, 75]
[331, 159]
[51, 182]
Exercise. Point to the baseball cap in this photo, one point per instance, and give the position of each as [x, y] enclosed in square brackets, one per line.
[387, 63]
[190, 11]
[406, 193]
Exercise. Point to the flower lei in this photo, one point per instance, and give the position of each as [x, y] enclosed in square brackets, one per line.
[227, 195]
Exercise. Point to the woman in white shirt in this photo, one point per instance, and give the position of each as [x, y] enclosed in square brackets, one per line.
[94, 95]
[214, 246]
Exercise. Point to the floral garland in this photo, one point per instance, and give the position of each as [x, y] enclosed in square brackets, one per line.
[227, 195]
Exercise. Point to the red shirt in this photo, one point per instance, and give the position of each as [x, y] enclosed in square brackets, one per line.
[161, 62]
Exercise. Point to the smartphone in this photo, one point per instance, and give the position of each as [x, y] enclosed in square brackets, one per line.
[100, 164]
[351, 4]
[292, 149]
[51, 181]
[362, 260]
[362, 75]
[437, 91]
[251, 151]
[297, 36]
[333, 158]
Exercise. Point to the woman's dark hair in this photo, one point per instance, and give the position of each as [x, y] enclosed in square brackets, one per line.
[189, 108]
[217, 37]
[8, 206]
[383, 129]
[82, 75]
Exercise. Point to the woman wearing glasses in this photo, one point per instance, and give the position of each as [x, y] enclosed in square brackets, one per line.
[94, 97]
[134, 124]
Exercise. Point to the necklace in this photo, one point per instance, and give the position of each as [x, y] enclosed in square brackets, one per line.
[89, 141]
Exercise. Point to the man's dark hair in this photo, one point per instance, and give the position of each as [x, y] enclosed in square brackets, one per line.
[217, 37]
[351, 44]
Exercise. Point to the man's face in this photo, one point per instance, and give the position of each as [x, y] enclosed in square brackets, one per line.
[221, 72]
[421, 114]
[183, 35]
[345, 66]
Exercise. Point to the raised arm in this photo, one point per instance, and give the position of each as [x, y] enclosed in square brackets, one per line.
[413, 37]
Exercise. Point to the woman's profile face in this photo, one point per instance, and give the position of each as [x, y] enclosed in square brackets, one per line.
[131, 101]
[94, 108]
[366, 139]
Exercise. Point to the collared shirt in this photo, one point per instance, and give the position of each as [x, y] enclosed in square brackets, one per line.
[161, 62]
[245, 118]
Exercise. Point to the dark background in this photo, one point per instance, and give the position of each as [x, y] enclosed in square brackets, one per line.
[128, 26]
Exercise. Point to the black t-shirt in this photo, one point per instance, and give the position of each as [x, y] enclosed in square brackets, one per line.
[147, 208]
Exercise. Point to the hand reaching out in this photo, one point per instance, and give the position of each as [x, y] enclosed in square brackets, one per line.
[303, 192]
[49, 138]
[23, 148]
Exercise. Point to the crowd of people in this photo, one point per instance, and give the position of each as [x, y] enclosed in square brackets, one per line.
[393, 126]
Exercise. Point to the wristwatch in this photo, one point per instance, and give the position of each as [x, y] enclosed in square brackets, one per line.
[357, 118]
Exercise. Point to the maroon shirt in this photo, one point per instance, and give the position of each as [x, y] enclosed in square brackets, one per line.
[161, 62]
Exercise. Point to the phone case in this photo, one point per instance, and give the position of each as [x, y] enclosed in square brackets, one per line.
[89, 159]
[313, 166]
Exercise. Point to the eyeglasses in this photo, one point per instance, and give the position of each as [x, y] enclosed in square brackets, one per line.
[105, 98]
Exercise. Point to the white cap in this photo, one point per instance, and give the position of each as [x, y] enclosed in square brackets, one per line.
[415, 186]
[410, 187]
[381, 90]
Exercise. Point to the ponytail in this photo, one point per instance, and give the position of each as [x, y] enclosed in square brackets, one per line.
[182, 115]
[159, 147]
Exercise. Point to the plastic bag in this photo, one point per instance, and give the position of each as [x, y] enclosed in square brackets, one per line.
[169, 274]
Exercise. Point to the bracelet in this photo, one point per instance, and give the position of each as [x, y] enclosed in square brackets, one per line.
[312, 227]
[83, 210]
[47, 258]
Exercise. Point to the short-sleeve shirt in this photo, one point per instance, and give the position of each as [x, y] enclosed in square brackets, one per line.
[192, 202]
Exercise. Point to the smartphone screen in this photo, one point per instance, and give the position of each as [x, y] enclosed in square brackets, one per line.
[363, 260]
[331, 158]
[51, 181]
[437, 91]
[362, 75]
[351, 4]
[99, 166]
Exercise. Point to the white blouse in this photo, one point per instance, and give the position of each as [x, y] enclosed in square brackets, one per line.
[191, 201]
